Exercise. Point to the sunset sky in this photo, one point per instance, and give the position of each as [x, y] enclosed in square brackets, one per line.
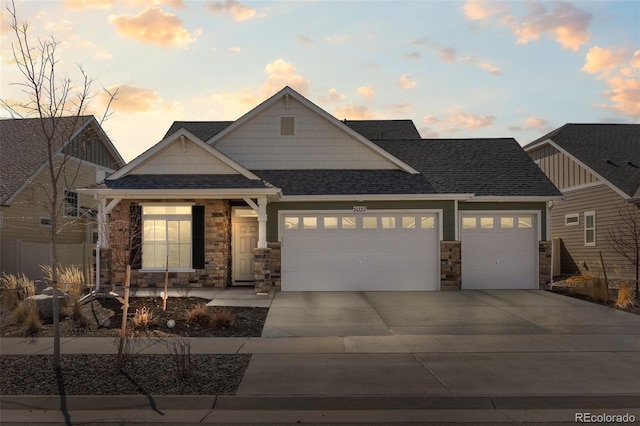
[457, 68]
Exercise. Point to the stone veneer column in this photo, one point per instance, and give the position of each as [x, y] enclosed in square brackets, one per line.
[276, 263]
[450, 265]
[262, 270]
[544, 264]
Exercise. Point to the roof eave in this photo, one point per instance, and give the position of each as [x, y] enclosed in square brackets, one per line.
[149, 194]
[514, 199]
[376, 197]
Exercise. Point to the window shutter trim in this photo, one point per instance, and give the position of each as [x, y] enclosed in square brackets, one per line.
[197, 237]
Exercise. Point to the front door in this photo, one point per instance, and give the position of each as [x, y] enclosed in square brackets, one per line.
[244, 232]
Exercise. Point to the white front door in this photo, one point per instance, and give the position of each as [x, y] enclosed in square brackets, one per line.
[371, 251]
[244, 232]
[499, 250]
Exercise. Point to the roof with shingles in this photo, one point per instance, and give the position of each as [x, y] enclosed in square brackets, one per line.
[346, 182]
[384, 129]
[204, 130]
[611, 150]
[23, 149]
[484, 167]
[181, 182]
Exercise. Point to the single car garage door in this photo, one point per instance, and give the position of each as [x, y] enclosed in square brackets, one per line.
[346, 251]
[499, 251]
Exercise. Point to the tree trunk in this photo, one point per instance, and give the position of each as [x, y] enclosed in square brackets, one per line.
[125, 310]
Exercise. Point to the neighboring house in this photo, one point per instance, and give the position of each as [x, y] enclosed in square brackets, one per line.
[25, 221]
[597, 168]
[290, 195]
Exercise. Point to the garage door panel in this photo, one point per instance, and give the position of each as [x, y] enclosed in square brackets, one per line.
[499, 258]
[360, 259]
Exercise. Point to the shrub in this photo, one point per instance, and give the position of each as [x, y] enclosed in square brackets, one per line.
[180, 348]
[16, 288]
[70, 279]
[142, 319]
[27, 314]
[199, 314]
[626, 296]
[222, 318]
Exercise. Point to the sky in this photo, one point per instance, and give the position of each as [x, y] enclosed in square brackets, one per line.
[458, 69]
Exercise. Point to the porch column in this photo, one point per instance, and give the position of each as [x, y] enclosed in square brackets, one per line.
[262, 222]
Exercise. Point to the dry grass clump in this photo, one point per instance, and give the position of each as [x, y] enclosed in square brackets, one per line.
[70, 279]
[580, 278]
[142, 319]
[15, 288]
[28, 315]
[599, 290]
[626, 296]
[199, 314]
[222, 318]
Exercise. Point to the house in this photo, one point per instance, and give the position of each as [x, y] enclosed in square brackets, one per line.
[597, 168]
[292, 196]
[25, 221]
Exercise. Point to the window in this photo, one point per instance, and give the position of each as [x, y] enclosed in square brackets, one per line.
[348, 222]
[287, 126]
[486, 222]
[427, 222]
[369, 222]
[71, 204]
[571, 219]
[45, 221]
[330, 222]
[291, 222]
[525, 222]
[310, 222]
[166, 236]
[408, 222]
[388, 222]
[589, 228]
[506, 222]
[468, 223]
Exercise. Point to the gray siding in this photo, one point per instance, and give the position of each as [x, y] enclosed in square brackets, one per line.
[541, 207]
[89, 146]
[605, 202]
[562, 170]
[448, 220]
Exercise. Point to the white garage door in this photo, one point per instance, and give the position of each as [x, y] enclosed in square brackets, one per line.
[360, 252]
[499, 251]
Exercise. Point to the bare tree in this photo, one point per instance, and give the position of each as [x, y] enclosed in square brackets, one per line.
[624, 237]
[59, 105]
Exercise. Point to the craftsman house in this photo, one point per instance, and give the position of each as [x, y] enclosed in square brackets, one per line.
[597, 168]
[25, 221]
[289, 195]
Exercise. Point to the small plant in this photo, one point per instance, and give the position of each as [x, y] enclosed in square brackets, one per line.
[222, 318]
[626, 296]
[180, 348]
[142, 319]
[15, 288]
[70, 279]
[27, 314]
[199, 314]
[77, 316]
[126, 349]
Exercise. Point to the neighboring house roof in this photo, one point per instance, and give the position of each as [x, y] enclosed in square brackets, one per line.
[204, 130]
[345, 182]
[23, 149]
[484, 167]
[181, 182]
[612, 151]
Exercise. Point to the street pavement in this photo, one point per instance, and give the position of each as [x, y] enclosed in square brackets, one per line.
[388, 357]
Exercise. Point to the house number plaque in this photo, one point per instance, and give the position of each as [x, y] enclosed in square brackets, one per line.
[359, 209]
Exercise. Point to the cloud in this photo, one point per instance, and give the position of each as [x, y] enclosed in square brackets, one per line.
[332, 96]
[303, 39]
[535, 122]
[281, 73]
[428, 133]
[106, 4]
[366, 92]
[619, 68]
[450, 55]
[561, 21]
[456, 120]
[406, 82]
[413, 56]
[154, 26]
[132, 99]
[353, 112]
[234, 49]
[239, 11]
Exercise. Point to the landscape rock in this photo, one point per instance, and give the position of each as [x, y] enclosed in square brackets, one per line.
[44, 303]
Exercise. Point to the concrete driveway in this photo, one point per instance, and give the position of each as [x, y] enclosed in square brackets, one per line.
[467, 312]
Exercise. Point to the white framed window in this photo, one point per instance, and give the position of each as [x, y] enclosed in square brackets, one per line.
[469, 223]
[310, 222]
[388, 222]
[330, 222]
[506, 222]
[71, 206]
[44, 221]
[348, 222]
[525, 222]
[590, 228]
[291, 222]
[572, 219]
[166, 236]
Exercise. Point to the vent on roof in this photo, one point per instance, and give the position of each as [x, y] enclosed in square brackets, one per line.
[611, 162]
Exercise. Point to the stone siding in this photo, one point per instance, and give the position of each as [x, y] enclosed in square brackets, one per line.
[450, 265]
[217, 249]
[544, 264]
[262, 270]
[276, 263]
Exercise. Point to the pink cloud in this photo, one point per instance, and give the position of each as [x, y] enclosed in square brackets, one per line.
[456, 120]
[239, 11]
[154, 26]
[332, 96]
[406, 82]
[281, 73]
[132, 99]
[366, 92]
[353, 112]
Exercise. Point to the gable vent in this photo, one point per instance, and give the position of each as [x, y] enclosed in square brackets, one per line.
[287, 126]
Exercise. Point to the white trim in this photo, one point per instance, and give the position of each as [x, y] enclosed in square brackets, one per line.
[377, 197]
[498, 199]
[456, 228]
[394, 212]
[572, 216]
[129, 168]
[288, 91]
[212, 194]
[595, 241]
[583, 186]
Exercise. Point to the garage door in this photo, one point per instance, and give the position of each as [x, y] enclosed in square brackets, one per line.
[499, 251]
[360, 252]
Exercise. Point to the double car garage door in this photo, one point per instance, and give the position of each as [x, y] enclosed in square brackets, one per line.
[400, 251]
